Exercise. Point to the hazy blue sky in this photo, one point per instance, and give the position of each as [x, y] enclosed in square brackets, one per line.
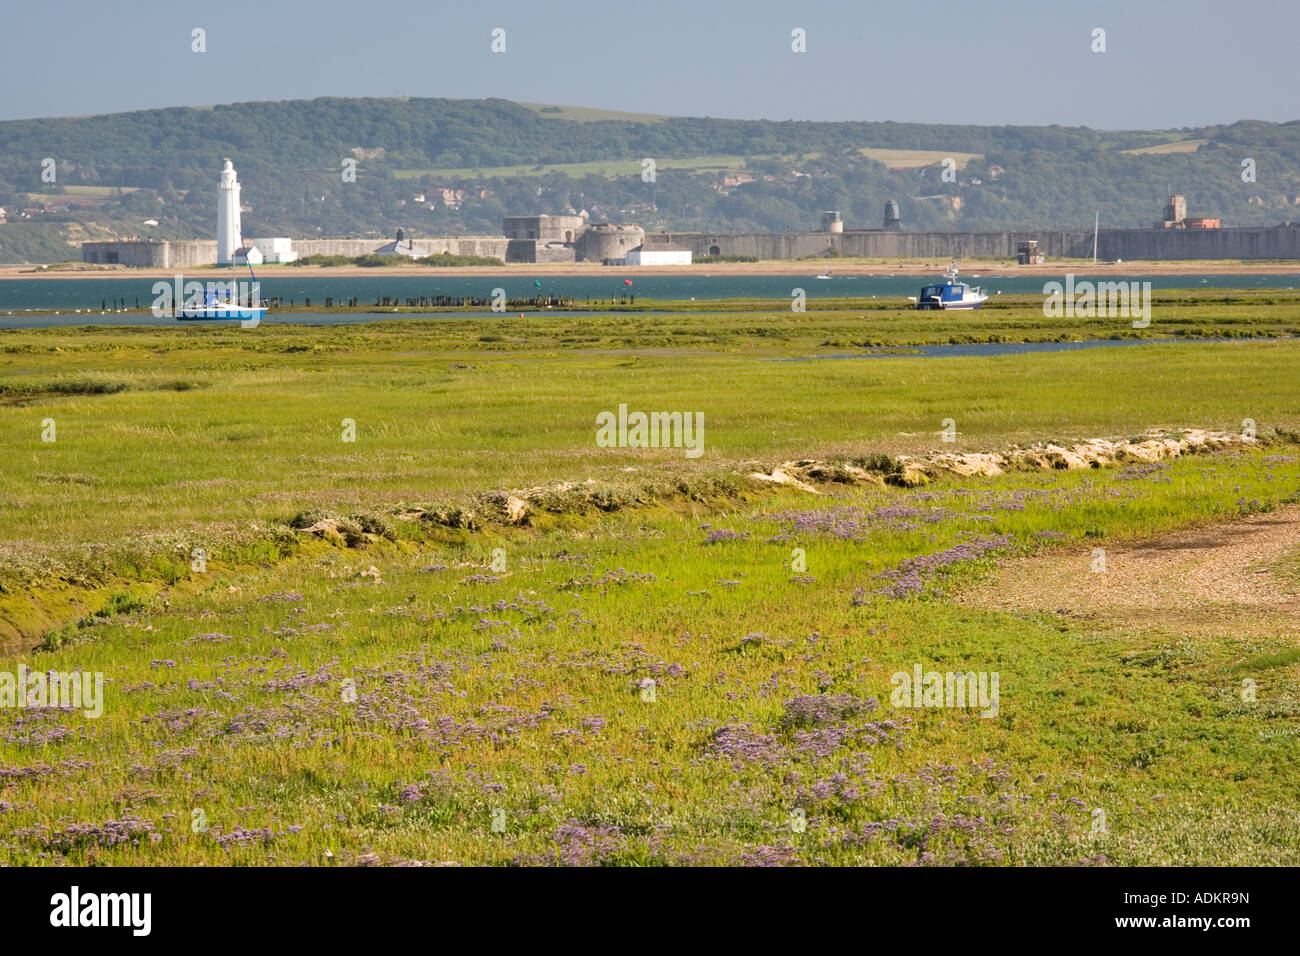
[1169, 63]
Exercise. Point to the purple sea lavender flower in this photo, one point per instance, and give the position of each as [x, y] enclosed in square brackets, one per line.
[129, 829]
[580, 844]
[742, 743]
[815, 710]
[780, 855]
[908, 577]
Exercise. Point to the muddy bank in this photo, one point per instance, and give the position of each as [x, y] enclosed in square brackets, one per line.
[908, 472]
[27, 618]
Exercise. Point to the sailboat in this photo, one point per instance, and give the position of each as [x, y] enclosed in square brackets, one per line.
[221, 304]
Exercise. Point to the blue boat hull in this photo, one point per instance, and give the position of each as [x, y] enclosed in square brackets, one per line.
[235, 314]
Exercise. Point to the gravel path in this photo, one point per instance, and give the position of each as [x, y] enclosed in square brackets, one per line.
[1215, 576]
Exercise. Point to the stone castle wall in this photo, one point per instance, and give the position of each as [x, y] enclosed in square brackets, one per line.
[1276, 242]
[596, 244]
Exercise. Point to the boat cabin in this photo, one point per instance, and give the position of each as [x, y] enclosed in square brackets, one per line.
[944, 292]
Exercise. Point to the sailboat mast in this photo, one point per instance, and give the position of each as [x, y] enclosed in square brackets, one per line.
[255, 288]
[1095, 223]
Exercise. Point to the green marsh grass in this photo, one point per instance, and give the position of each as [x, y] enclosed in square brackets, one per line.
[518, 695]
[521, 691]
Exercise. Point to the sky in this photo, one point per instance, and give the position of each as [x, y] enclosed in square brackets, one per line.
[1167, 63]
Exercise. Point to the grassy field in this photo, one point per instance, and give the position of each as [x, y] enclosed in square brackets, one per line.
[666, 662]
[83, 191]
[1180, 146]
[916, 158]
[588, 114]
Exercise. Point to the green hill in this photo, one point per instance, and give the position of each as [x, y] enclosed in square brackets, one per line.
[516, 159]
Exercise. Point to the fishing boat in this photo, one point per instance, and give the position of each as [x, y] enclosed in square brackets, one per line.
[951, 294]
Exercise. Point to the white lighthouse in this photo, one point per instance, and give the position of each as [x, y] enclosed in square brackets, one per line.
[229, 236]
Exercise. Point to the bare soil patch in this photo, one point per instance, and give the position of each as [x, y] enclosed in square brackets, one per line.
[1222, 578]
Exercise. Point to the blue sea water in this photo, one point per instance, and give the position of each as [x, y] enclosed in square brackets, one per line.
[93, 295]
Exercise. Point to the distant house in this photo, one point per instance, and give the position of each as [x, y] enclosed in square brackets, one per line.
[451, 198]
[651, 253]
[2, 214]
[739, 179]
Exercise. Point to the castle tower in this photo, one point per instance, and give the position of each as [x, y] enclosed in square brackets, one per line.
[229, 235]
[893, 222]
[1176, 210]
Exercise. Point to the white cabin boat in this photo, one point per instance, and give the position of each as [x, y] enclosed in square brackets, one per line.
[951, 294]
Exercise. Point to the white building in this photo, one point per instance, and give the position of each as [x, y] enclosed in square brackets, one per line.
[659, 254]
[229, 234]
[277, 249]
